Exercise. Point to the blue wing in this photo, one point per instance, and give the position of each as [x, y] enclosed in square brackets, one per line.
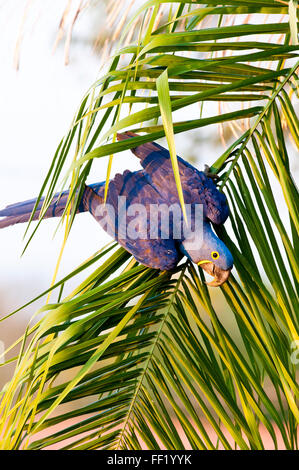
[197, 187]
[156, 253]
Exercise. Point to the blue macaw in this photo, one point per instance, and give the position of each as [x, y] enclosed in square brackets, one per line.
[154, 184]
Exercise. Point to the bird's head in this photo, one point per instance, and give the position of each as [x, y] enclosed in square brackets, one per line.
[211, 254]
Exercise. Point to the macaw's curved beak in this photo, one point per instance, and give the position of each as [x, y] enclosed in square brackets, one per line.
[220, 275]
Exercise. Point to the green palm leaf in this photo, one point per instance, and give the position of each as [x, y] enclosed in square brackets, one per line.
[135, 358]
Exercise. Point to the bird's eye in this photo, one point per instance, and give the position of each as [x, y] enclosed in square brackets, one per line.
[215, 254]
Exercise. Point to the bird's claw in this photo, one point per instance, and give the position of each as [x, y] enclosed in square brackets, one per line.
[209, 174]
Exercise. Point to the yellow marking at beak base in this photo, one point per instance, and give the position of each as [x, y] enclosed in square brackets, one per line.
[204, 261]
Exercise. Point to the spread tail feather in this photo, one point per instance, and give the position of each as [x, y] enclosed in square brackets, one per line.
[21, 211]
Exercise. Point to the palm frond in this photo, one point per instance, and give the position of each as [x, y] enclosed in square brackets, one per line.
[134, 358]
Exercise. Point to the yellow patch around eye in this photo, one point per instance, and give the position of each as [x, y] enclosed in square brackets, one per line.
[215, 255]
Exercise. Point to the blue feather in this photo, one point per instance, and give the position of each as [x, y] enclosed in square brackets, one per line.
[154, 184]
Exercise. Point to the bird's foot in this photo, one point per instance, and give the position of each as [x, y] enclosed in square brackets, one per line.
[209, 174]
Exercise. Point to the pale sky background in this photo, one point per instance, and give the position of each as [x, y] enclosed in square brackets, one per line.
[37, 105]
[38, 102]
